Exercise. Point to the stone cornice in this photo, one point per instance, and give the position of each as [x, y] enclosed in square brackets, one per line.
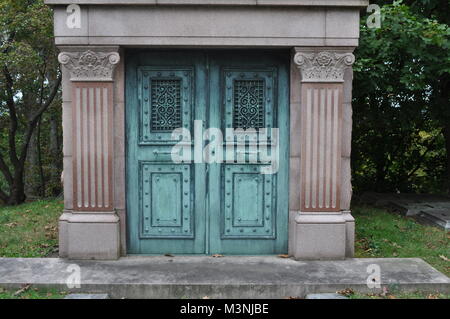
[310, 3]
[90, 65]
[323, 66]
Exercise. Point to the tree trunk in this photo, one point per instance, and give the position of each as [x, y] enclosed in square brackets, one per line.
[17, 195]
[32, 168]
[55, 152]
[41, 168]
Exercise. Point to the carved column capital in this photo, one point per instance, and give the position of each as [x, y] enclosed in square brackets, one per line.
[90, 65]
[323, 66]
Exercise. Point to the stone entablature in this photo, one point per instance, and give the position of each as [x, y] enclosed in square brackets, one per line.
[211, 23]
[341, 3]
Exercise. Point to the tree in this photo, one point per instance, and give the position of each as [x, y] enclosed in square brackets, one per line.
[29, 83]
[401, 101]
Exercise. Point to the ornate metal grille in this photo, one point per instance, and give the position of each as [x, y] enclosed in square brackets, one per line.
[166, 105]
[248, 104]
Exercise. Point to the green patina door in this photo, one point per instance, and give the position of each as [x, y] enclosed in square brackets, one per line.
[194, 207]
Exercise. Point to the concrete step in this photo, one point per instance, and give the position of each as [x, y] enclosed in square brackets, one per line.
[87, 296]
[227, 277]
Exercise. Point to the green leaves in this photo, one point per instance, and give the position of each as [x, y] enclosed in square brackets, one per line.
[399, 74]
[29, 79]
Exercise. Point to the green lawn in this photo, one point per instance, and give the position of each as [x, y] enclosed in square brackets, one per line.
[403, 295]
[383, 234]
[30, 230]
[32, 293]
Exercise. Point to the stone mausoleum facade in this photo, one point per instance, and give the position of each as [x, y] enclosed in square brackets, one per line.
[136, 71]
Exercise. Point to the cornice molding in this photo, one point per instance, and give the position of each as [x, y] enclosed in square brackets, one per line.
[293, 3]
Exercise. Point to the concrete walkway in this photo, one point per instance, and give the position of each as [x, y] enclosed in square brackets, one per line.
[227, 277]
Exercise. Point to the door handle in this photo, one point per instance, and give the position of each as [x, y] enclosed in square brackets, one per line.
[248, 152]
[155, 152]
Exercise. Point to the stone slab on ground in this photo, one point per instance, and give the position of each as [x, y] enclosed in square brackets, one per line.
[431, 209]
[440, 218]
[381, 199]
[407, 204]
[87, 296]
[227, 277]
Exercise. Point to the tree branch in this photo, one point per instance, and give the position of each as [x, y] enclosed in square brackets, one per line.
[32, 123]
[49, 100]
[12, 115]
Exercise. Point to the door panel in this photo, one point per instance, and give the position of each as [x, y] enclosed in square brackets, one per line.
[248, 210]
[248, 97]
[165, 90]
[166, 96]
[229, 208]
[166, 201]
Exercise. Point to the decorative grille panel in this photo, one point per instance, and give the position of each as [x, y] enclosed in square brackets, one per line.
[248, 104]
[166, 105]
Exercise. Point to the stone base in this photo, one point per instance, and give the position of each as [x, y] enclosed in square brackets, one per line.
[63, 220]
[89, 236]
[238, 277]
[349, 234]
[321, 236]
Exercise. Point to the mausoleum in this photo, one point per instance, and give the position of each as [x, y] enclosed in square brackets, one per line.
[261, 89]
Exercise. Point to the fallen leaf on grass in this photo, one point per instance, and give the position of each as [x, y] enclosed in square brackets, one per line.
[385, 292]
[22, 290]
[346, 292]
[443, 257]
[11, 225]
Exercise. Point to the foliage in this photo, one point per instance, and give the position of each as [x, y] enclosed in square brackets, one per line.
[401, 101]
[29, 83]
[29, 230]
[401, 104]
[383, 234]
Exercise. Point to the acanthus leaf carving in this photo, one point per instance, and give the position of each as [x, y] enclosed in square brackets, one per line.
[90, 65]
[323, 66]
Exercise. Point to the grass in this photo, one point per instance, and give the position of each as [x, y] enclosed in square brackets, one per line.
[30, 230]
[400, 295]
[383, 234]
[32, 293]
